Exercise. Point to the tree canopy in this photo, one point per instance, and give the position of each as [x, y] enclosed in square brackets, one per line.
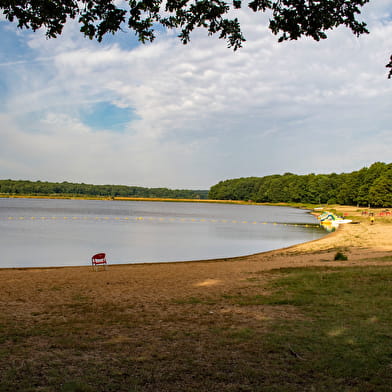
[289, 19]
[25, 187]
[368, 186]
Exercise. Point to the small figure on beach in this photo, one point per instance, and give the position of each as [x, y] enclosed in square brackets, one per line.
[371, 215]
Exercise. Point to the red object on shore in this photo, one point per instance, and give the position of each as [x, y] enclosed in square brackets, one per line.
[99, 259]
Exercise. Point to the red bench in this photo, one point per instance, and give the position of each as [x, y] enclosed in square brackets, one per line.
[99, 259]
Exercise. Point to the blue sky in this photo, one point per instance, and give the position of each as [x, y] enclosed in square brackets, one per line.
[165, 114]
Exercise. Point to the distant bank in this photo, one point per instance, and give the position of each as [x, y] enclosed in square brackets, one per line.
[80, 190]
[368, 187]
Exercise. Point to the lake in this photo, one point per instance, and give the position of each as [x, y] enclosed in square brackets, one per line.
[53, 232]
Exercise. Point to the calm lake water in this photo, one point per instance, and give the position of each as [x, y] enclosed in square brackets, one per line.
[46, 232]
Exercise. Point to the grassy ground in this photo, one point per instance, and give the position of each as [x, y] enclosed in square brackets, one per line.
[299, 329]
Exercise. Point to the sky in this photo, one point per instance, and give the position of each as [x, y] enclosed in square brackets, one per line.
[188, 116]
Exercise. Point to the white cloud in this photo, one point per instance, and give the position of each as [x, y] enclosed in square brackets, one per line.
[201, 112]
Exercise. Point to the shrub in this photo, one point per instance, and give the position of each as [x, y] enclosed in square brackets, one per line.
[340, 256]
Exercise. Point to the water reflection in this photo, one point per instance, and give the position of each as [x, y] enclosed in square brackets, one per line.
[38, 232]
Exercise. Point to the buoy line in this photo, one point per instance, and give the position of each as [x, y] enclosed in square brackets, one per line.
[157, 219]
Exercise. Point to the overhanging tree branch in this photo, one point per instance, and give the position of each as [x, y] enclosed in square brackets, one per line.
[290, 19]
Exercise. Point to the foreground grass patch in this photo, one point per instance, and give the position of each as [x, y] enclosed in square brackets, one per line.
[313, 329]
[345, 337]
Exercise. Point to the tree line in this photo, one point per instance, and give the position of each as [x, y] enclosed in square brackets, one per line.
[39, 188]
[367, 186]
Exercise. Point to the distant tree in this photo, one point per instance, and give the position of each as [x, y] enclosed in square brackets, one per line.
[366, 177]
[224, 190]
[290, 19]
[380, 194]
[348, 190]
[297, 188]
[263, 188]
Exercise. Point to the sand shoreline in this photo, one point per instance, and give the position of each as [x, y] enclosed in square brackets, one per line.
[361, 240]
[85, 262]
[156, 289]
[363, 244]
[35, 289]
[215, 260]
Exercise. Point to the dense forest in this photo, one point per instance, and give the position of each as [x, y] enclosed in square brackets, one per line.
[38, 188]
[368, 186]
